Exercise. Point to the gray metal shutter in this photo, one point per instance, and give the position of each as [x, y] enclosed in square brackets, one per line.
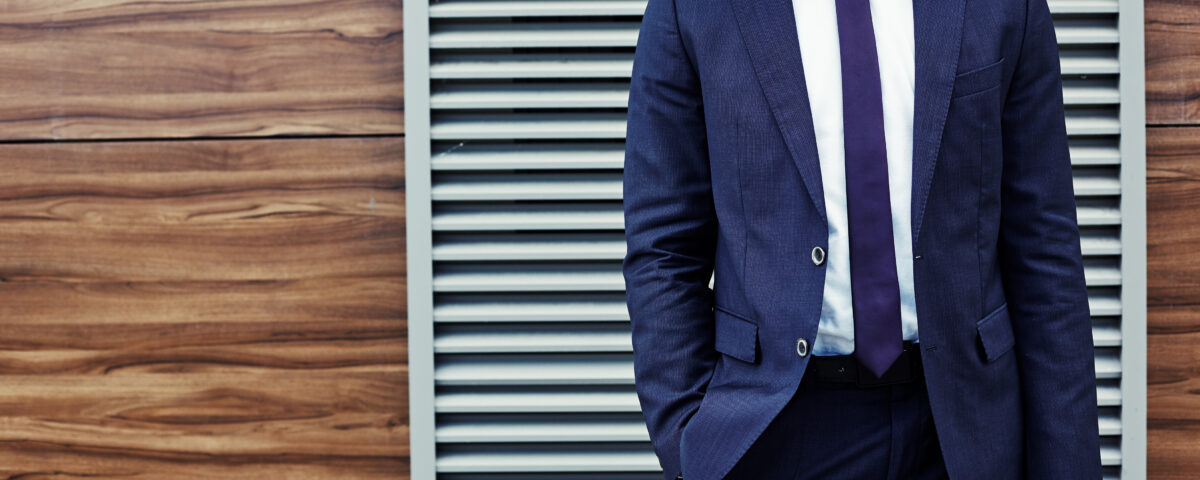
[520, 357]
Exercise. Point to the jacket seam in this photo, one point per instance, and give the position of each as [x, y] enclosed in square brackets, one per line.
[687, 53]
[737, 130]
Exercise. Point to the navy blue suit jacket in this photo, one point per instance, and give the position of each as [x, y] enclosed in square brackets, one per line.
[721, 174]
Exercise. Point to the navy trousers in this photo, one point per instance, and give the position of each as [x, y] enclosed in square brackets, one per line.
[841, 431]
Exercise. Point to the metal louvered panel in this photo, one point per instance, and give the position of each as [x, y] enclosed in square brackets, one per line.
[515, 151]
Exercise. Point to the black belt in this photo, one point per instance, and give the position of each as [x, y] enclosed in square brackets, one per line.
[846, 369]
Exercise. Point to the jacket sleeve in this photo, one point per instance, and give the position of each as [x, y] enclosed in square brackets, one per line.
[1042, 265]
[670, 232]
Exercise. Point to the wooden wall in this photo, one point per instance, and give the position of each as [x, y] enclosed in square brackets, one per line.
[202, 268]
[1173, 236]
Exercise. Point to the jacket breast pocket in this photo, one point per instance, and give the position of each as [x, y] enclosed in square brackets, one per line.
[995, 333]
[736, 335]
[978, 79]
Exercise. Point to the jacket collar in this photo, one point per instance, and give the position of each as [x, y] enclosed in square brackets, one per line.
[768, 30]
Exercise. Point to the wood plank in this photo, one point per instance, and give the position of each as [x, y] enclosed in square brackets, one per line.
[1173, 237]
[1172, 72]
[203, 210]
[203, 309]
[183, 68]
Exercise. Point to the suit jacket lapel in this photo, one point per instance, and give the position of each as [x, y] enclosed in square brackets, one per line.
[768, 29]
[937, 25]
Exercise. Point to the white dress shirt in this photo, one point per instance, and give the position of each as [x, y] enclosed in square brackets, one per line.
[816, 25]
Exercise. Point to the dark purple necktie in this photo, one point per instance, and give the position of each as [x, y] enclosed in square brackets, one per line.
[874, 288]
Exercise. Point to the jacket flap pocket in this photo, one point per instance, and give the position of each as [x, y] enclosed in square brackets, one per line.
[735, 336]
[995, 332]
[978, 79]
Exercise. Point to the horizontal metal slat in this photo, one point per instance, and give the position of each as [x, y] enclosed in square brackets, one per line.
[529, 246]
[536, 307]
[1083, 6]
[547, 369]
[1104, 304]
[1094, 151]
[556, 476]
[599, 338]
[598, 369]
[530, 95]
[542, 428]
[526, 186]
[1093, 181]
[1100, 241]
[1074, 60]
[1092, 121]
[611, 125]
[540, 400]
[474, 155]
[616, 95]
[546, 156]
[1102, 271]
[553, 458]
[592, 155]
[611, 246]
[584, 64]
[491, 277]
[1106, 332]
[608, 216]
[581, 64]
[483, 126]
[592, 400]
[1108, 363]
[1108, 393]
[534, 8]
[518, 458]
[1110, 452]
[533, 277]
[589, 8]
[1086, 30]
[1097, 213]
[1091, 91]
[533, 338]
[1110, 422]
[532, 35]
[1088, 181]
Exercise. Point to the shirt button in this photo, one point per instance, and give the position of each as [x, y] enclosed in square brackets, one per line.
[818, 255]
[802, 347]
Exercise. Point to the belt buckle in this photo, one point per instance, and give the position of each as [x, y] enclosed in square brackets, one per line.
[900, 372]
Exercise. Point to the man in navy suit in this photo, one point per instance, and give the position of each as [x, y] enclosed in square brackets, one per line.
[880, 193]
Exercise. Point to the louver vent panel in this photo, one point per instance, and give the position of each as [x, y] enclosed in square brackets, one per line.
[532, 358]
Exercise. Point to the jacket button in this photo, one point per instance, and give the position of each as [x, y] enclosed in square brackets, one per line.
[818, 255]
[802, 347]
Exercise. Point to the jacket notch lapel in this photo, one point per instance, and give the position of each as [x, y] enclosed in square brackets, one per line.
[937, 25]
[768, 30]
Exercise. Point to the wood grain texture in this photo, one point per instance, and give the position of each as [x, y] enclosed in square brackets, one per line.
[1172, 72]
[203, 309]
[83, 69]
[1173, 238]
